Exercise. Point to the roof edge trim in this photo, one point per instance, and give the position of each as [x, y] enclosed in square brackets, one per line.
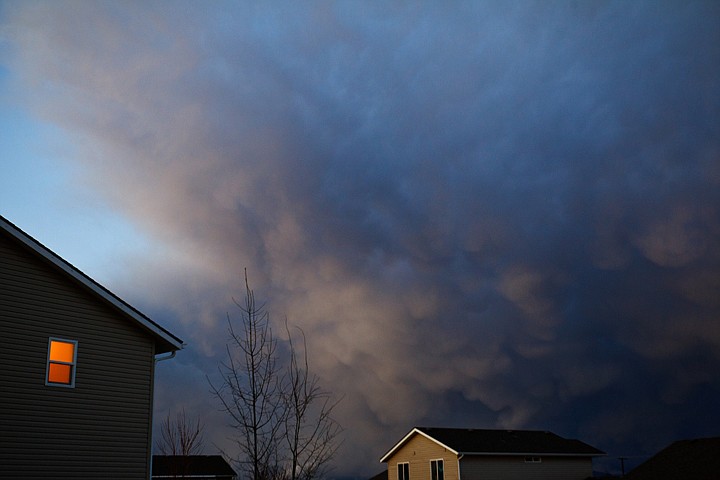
[412, 432]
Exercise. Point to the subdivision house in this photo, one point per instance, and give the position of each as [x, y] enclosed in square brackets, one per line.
[197, 467]
[696, 459]
[76, 370]
[470, 454]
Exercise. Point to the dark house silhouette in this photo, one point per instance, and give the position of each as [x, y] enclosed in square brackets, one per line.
[697, 459]
[383, 475]
[472, 454]
[197, 467]
[76, 382]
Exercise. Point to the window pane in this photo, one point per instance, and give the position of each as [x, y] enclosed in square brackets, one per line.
[441, 470]
[59, 373]
[62, 351]
[403, 470]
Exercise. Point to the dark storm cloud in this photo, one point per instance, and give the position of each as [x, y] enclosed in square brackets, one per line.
[498, 214]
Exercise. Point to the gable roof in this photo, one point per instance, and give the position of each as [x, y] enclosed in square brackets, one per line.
[164, 340]
[463, 441]
[381, 476]
[697, 459]
[190, 466]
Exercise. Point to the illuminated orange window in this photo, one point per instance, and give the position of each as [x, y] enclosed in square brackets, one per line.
[61, 362]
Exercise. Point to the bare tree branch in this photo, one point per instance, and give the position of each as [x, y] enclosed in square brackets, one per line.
[282, 418]
[310, 431]
[180, 437]
[250, 389]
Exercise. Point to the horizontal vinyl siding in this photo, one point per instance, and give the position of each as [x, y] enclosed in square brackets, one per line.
[514, 468]
[418, 451]
[99, 428]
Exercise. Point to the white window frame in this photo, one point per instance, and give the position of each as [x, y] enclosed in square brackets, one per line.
[434, 470]
[73, 365]
[408, 470]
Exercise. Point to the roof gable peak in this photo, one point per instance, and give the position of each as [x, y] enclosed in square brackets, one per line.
[169, 341]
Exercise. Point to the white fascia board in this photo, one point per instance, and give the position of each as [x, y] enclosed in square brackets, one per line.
[88, 282]
[402, 442]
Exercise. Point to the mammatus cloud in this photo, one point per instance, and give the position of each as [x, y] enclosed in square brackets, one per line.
[496, 214]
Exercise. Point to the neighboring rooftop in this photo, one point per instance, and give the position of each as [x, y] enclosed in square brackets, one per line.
[195, 466]
[380, 476]
[697, 459]
[498, 442]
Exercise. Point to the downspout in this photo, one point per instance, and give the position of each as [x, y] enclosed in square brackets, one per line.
[156, 360]
[459, 458]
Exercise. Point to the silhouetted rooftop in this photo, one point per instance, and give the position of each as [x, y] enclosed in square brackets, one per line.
[191, 465]
[697, 459]
[381, 476]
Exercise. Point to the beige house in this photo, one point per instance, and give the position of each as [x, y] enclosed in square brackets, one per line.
[470, 454]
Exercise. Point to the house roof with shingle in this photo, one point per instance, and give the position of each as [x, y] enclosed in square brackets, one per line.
[205, 466]
[164, 340]
[697, 459]
[380, 476]
[467, 441]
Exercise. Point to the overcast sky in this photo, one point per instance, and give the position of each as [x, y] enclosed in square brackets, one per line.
[487, 214]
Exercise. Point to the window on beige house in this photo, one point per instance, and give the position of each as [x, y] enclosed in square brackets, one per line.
[437, 470]
[403, 471]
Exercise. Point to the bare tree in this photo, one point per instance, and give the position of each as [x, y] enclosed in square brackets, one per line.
[311, 433]
[250, 390]
[281, 416]
[180, 435]
[179, 438]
